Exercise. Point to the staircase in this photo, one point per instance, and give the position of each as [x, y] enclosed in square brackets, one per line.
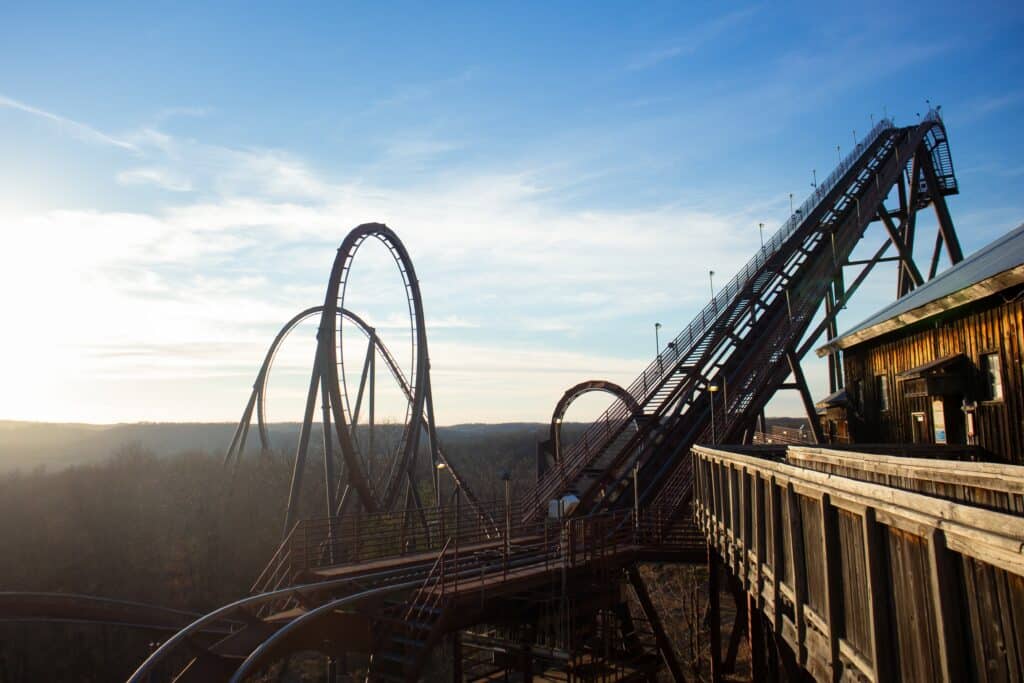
[405, 632]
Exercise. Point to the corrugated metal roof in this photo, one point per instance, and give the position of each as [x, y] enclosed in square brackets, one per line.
[1001, 256]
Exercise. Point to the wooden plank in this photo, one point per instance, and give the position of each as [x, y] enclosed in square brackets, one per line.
[829, 535]
[778, 553]
[880, 616]
[946, 600]
[743, 567]
[795, 557]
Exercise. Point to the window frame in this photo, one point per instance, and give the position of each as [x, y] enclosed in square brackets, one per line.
[986, 384]
[882, 391]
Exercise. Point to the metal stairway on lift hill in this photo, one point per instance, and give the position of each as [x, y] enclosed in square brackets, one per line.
[746, 340]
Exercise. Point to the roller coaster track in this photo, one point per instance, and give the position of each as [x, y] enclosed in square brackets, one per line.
[747, 340]
[258, 398]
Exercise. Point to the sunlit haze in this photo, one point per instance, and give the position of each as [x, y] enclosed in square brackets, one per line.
[562, 177]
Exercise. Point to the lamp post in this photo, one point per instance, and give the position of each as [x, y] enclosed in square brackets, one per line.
[814, 175]
[713, 389]
[760, 227]
[437, 482]
[790, 203]
[839, 155]
[657, 342]
[711, 280]
[507, 478]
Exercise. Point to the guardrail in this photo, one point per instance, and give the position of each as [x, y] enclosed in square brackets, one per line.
[982, 484]
[331, 542]
[866, 581]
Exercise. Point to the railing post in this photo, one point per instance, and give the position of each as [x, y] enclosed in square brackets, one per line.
[636, 502]
[945, 595]
[305, 546]
[358, 536]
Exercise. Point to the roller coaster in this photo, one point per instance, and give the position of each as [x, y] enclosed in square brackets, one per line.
[537, 587]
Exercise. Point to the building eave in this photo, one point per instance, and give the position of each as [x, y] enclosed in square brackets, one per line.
[974, 292]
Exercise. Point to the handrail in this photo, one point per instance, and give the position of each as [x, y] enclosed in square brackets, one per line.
[285, 544]
[417, 600]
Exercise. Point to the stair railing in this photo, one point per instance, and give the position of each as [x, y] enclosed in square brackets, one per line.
[653, 377]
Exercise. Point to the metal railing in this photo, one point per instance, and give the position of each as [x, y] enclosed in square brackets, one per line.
[654, 375]
[322, 544]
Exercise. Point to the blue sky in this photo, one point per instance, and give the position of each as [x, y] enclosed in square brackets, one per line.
[176, 178]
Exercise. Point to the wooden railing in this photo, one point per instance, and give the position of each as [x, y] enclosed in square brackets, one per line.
[866, 581]
[981, 484]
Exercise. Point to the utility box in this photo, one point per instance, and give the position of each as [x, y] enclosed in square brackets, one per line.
[562, 507]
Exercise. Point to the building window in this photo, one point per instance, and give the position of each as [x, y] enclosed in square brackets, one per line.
[993, 376]
[882, 388]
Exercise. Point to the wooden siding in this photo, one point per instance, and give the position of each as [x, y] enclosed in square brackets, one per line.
[993, 325]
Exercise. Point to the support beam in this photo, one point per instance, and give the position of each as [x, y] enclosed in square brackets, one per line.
[234, 450]
[300, 452]
[715, 611]
[668, 655]
[805, 395]
[812, 338]
[865, 261]
[755, 638]
[739, 628]
[906, 256]
[457, 657]
[330, 477]
[908, 211]
[936, 253]
[956, 254]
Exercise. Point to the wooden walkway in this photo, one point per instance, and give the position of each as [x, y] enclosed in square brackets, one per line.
[873, 568]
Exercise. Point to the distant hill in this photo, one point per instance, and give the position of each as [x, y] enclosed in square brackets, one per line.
[57, 445]
[28, 445]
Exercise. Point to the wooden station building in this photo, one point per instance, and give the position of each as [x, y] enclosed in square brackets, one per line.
[942, 364]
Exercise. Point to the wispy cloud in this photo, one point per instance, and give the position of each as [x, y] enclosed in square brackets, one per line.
[694, 39]
[160, 177]
[78, 129]
[983, 107]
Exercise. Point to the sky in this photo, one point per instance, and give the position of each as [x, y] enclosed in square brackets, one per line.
[176, 178]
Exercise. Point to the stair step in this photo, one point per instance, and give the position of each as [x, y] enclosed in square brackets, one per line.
[389, 656]
[409, 642]
[408, 623]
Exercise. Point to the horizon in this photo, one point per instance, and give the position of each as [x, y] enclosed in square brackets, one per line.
[563, 181]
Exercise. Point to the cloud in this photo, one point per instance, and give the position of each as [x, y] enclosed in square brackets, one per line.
[186, 296]
[694, 39]
[79, 130]
[162, 178]
[982, 107]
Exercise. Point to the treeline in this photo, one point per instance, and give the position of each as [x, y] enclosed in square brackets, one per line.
[166, 531]
[179, 531]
